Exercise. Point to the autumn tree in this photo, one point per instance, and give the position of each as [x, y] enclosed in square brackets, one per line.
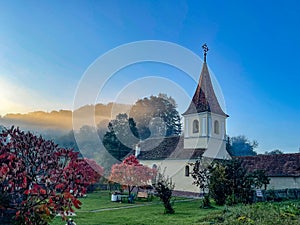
[80, 173]
[37, 176]
[130, 173]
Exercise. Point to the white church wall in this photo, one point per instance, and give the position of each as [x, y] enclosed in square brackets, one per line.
[195, 139]
[211, 128]
[175, 169]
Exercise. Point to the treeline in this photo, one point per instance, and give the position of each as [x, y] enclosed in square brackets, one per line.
[61, 120]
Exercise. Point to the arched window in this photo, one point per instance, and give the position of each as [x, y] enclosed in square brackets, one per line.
[195, 126]
[216, 127]
[187, 171]
[154, 166]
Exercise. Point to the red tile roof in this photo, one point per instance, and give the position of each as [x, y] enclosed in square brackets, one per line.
[204, 99]
[274, 165]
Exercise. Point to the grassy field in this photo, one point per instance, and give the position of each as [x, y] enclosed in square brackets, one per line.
[97, 209]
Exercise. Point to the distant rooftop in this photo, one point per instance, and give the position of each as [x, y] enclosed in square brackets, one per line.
[274, 165]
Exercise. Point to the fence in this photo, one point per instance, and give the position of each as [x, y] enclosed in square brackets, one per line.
[277, 195]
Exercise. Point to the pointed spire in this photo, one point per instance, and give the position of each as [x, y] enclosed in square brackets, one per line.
[205, 49]
[204, 99]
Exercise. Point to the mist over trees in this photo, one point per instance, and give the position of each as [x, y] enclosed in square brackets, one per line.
[156, 116]
[148, 118]
[61, 121]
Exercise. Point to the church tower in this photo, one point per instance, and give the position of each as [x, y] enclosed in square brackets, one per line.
[204, 120]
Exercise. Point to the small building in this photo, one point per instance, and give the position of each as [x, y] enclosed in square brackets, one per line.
[282, 169]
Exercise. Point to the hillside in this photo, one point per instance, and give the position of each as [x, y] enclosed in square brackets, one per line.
[62, 119]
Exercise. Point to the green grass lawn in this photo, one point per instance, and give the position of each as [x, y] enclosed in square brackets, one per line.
[186, 212]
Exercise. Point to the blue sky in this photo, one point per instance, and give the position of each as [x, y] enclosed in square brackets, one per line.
[46, 46]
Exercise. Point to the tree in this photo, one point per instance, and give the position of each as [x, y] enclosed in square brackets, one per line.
[260, 179]
[156, 116]
[230, 182]
[37, 176]
[201, 176]
[219, 184]
[121, 136]
[239, 181]
[80, 168]
[164, 188]
[130, 173]
[241, 146]
[274, 152]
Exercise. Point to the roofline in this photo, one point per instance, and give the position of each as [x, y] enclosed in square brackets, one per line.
[225, 114]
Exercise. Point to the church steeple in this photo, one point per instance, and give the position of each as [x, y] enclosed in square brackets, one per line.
[204, 120]
[204, 99]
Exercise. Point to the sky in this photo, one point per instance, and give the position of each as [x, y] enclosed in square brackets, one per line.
[46, 47]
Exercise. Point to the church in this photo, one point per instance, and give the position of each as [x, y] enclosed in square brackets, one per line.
[204, 136]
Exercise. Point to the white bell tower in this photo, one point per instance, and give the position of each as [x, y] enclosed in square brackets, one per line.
[204, 120]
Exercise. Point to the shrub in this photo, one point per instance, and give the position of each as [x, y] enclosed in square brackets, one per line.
[164, 188]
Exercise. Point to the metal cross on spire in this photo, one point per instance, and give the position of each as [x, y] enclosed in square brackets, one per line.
[205, 49]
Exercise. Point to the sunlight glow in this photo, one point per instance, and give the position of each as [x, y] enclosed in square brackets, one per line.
[15, 98]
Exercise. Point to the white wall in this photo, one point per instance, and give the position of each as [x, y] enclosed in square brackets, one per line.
[175, 169]
[283, 182]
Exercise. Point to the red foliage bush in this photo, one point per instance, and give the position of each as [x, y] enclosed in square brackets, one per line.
[37, 176]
